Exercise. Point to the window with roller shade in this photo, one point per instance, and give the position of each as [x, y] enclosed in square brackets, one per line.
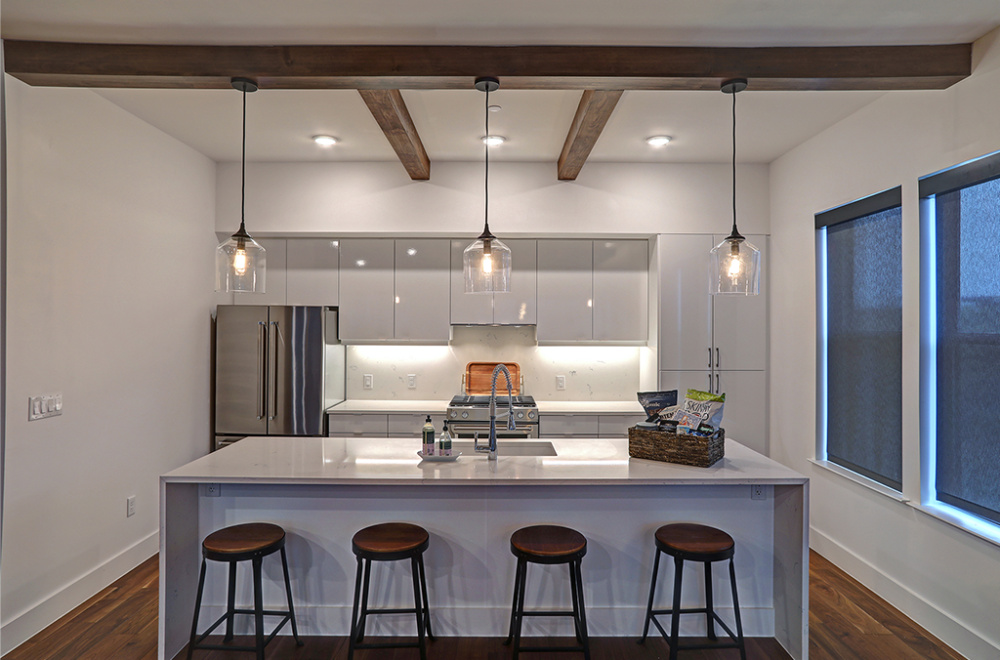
[860, 370]
[961, 209]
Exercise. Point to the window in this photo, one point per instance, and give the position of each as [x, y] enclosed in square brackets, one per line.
[859, 255]
[961, 209]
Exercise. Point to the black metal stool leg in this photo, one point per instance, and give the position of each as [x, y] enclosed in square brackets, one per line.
[675, 614]
[258, 608]
[230, 602]
[513, 605]
[363, 619]
[576, 603]
[288, 592]
[197, 610]
[354, 611]
[736, 608]
[577, 579]
[649, 604]
[423, 590]
[709, 605]
[519, 608]
[418, 608]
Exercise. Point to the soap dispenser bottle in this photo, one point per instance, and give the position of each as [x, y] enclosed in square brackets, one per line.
[444, 443]
[428, 436]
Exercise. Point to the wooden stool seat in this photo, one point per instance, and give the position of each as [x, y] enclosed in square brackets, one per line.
[245, 539]
[695, 542]
[548, 543]
[704, 544]
[232, 545]
[390, 540]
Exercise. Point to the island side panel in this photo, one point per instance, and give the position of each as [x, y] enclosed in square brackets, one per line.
[179, 565]
[791, 569]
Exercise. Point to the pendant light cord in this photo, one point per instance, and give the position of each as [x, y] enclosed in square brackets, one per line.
[735, 232]
[243, 165]
[486, 180]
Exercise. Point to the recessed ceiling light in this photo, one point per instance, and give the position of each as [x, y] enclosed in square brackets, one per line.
[325, 140]
[658, 140]
[495, 108]
[411, 251]
[493, 140]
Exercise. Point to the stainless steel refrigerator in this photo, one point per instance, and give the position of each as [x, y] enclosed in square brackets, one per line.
[272, 368]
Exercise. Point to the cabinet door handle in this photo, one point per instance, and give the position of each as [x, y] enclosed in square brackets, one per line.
[261, 368]
[710, 360]
[718, 387]
[709, 382]
[716, 357]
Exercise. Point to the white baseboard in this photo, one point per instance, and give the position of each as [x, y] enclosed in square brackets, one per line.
[954, 633]
[24, 625]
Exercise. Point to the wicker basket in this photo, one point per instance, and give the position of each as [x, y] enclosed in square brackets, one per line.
[673, 448]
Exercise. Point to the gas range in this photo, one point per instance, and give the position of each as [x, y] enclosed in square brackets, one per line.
[475, 408]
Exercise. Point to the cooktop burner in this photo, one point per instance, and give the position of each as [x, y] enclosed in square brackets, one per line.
[478, 400]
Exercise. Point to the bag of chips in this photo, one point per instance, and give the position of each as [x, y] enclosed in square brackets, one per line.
[701, 408]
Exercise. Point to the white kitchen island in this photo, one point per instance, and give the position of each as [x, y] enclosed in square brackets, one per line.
[322, 490]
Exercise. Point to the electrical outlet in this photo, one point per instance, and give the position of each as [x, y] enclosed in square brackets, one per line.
[368, 382]
[130, 506]
[411, 381]
[560, 382]
[213, 490]
[757, 492]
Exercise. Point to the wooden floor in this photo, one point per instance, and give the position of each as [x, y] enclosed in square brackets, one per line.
[846, 620]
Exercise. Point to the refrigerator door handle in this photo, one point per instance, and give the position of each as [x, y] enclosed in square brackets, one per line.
[261, 368]
[273, 387]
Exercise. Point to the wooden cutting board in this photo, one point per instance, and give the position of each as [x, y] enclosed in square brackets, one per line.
[479, 374]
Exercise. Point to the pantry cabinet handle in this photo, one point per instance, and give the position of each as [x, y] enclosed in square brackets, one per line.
[261, 367]
[718, 387]
[709, 363]
[716, 357]
[709, 382]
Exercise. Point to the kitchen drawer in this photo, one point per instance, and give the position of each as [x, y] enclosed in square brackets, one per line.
[410, 425]
[358, 425]
[568, 426]
[617, 425]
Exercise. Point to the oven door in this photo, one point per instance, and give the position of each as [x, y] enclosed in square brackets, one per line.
[467, 430]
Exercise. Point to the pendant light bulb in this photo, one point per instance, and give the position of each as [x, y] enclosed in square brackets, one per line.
[486, 262]
[734, 263]
[240, 261]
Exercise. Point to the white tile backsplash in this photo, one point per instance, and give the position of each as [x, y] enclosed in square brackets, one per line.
[599, 373]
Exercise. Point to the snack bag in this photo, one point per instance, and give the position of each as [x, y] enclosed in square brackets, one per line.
[701, 408]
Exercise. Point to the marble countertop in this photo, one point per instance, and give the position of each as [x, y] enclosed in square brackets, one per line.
[439, 406]
[394, 461]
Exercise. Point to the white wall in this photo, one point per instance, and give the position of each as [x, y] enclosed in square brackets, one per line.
[526, 199]
[110, 276]
[944, 578]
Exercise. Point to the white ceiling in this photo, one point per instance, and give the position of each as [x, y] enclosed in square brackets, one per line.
[280, 123]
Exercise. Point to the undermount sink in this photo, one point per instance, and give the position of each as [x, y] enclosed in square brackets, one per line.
[511, 448]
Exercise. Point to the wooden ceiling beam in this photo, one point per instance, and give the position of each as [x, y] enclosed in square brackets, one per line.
[518, 67]
[389, 110]
[591, 115]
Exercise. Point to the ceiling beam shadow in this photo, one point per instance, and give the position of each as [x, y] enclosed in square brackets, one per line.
[389, 110]
[591, 116]
[59, 64]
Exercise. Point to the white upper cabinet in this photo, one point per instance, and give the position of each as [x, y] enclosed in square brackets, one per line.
[367, 290]
[514, 308]
[274, 276]
[621, 290]
[313, 272]
[565, 290]
[421, 290]
[739, 331]
[685, 335]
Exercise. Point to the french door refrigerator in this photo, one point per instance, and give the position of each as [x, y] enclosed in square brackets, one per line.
[269, 371]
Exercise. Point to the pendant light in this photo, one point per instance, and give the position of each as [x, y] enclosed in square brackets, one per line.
[486, 262]
[240, 261]
[735, 265]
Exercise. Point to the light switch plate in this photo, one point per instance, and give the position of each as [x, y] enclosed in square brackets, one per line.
[46, 405]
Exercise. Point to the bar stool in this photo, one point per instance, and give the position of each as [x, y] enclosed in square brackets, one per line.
[549, 544]
[253, 542]
[390, 542]
[693, 542]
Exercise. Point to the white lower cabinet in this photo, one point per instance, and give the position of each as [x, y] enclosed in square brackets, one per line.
[357, 425]
[745, 412]
[553, 425]
[404, 425]
[613, 426]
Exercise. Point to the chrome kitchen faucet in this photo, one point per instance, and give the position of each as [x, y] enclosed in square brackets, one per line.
[492, 448]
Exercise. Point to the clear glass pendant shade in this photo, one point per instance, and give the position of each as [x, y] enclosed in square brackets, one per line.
[486, 263]
[735, 267]
[240, 263]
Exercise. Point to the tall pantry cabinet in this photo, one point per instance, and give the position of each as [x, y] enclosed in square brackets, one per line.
[713, 343]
